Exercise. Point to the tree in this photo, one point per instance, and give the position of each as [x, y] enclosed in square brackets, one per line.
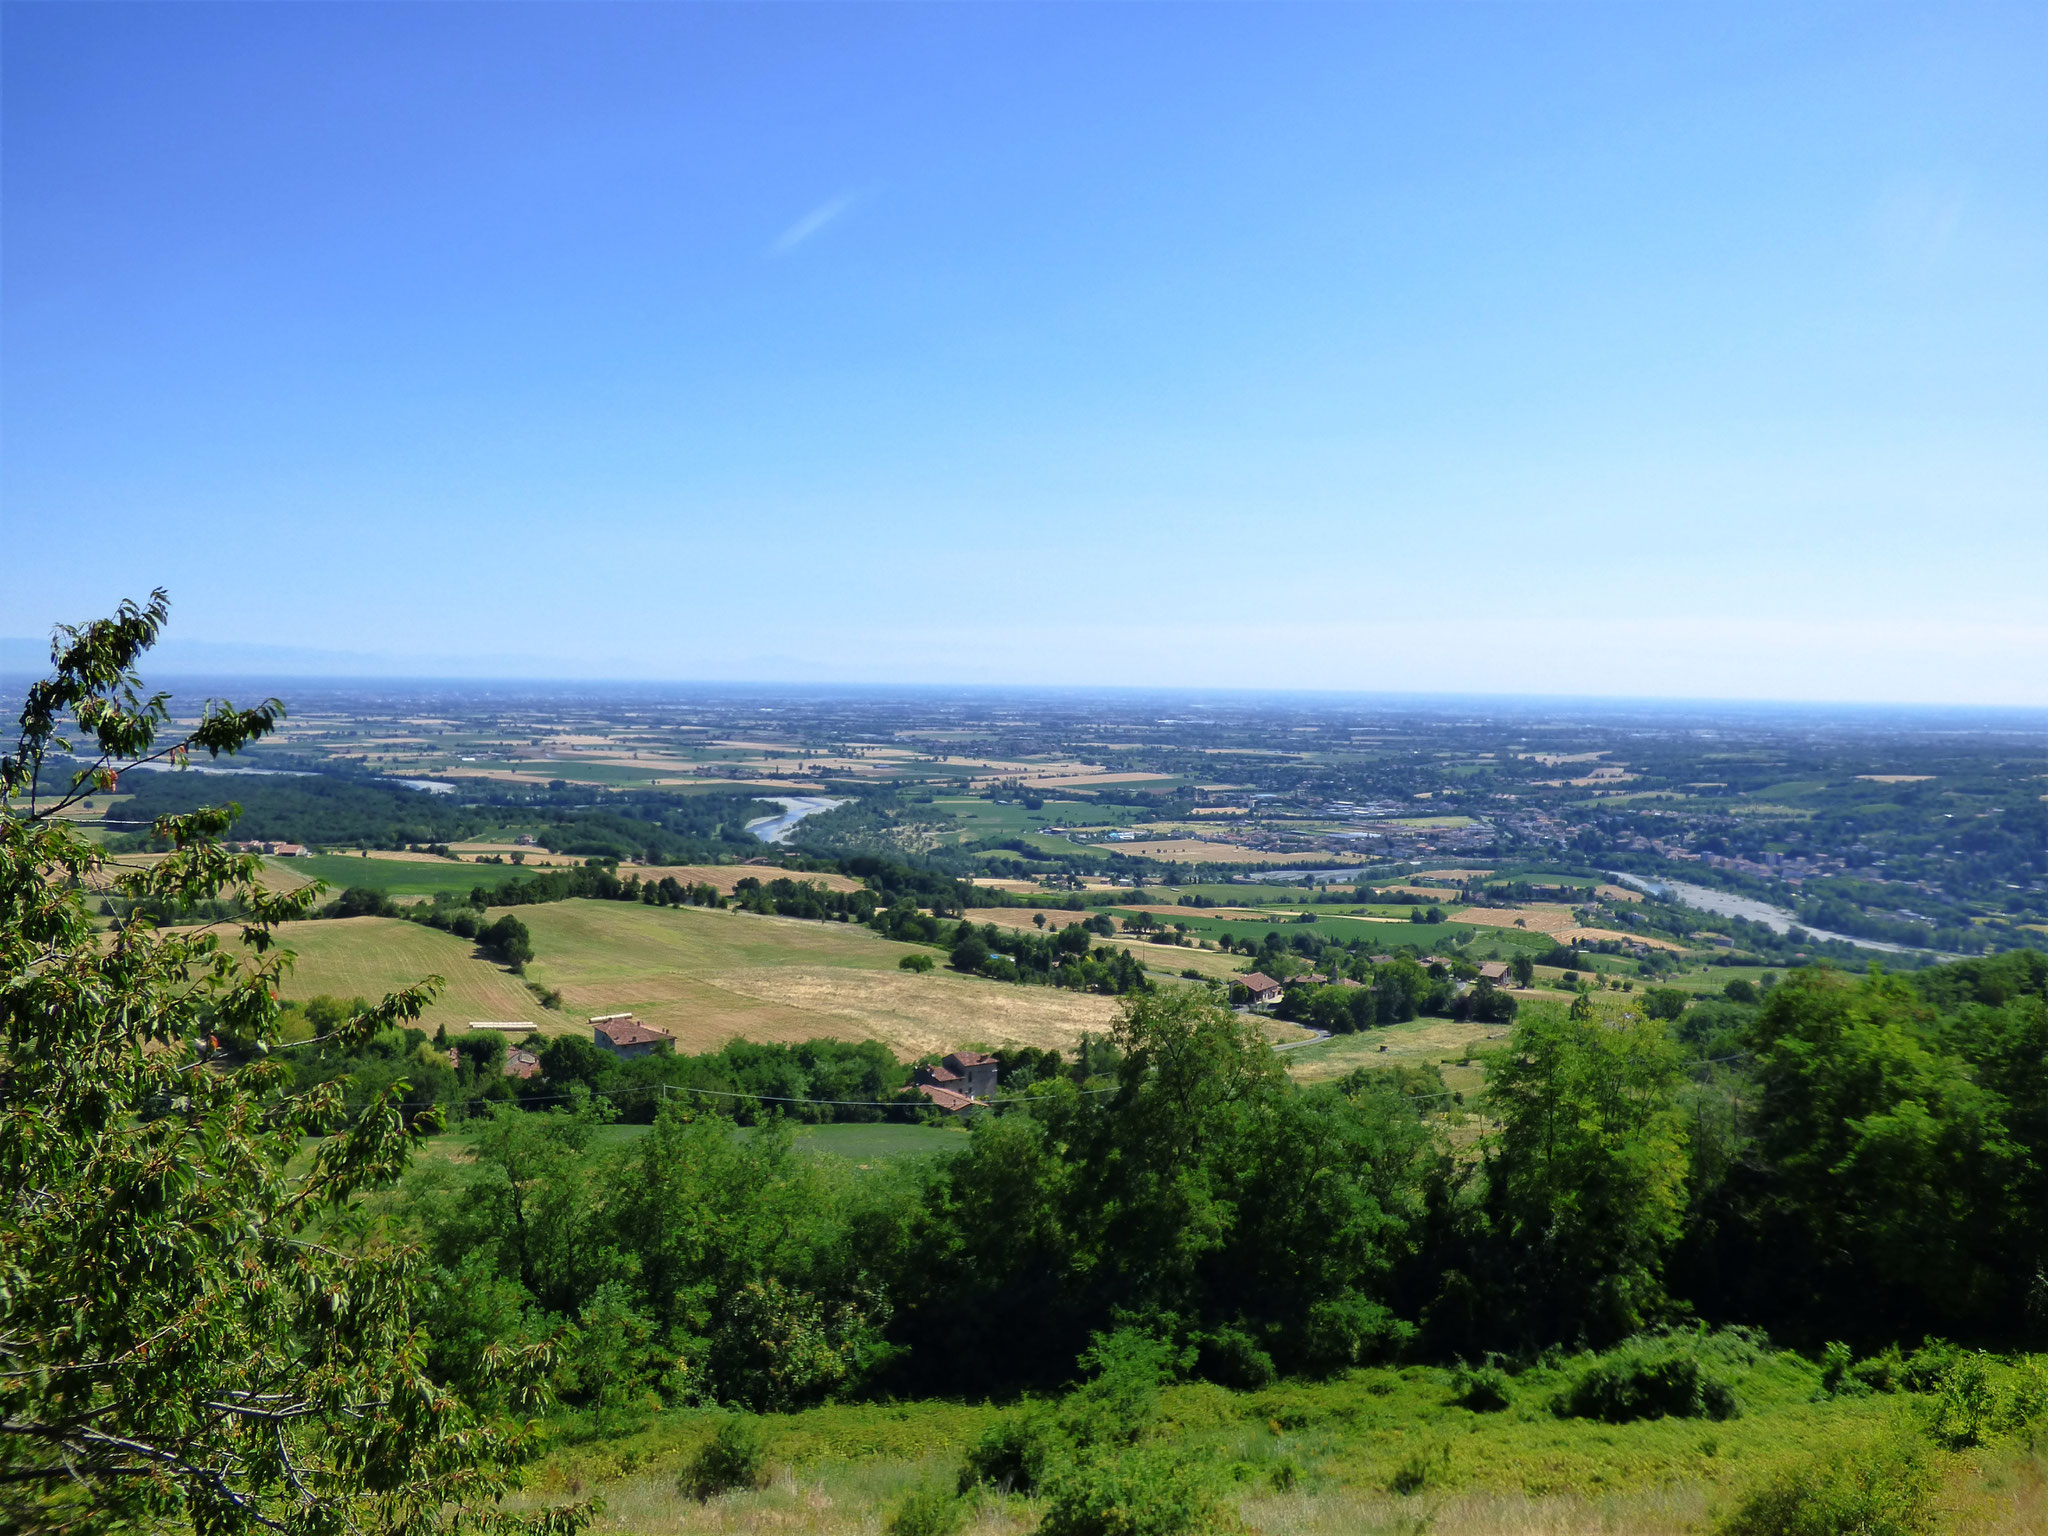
[509, 940]
[1587, 1173]
[1524, 969]
[185, 1335]
[970, 949]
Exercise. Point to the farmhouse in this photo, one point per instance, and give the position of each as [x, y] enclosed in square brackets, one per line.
[1263, 988]
[945, 1098]
[1495, 971]
[626, 1038]
[521, 1063]
[969, 1074]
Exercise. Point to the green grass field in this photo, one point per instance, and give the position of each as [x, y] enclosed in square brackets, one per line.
[397, 877]
[370, 956]
[1370, 1453]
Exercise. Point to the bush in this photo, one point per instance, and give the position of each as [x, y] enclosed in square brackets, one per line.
[1482, 1388]
[918, 963]
[1231, 1358]
[734, 1457]
[1934, 1359]
[927, 1512]
[1652, 1376]
[1975, 1397]
[1665, 1002]
[1015, 1453]
[1147, 1491]
[1884, 1491]
[1420, 1468]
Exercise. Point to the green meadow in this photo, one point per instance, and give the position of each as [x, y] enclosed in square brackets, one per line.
[397, 877]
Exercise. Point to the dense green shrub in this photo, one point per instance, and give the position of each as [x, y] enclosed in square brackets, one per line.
[1885, 1491]
[734, 1457]
[1421, 1468]
[927, 1512]
[1014, 1453]
[1231, 1358]
[1148, 1490]
[1481, 1388]
[1651, 1376]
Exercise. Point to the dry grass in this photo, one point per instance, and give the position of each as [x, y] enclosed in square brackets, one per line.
[914, 1014]
[1536, 919]
[1570, 934]
[1561, 923]
[277, 874]
[1666, 1511]
[706, 976]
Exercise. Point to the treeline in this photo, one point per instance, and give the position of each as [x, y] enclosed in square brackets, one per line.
[1870, 1167]
[747, 1082]
[333, 811]
[314, 809]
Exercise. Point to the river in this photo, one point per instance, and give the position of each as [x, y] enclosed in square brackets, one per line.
[776, 829]
[1728, 904]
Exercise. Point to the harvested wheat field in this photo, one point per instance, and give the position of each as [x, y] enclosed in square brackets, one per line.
[727, 876]
[277, 874]
[1561, 923]
[701, 974]
[1575, 935]
[914, 1014]
[1537, 919]
[706, 976]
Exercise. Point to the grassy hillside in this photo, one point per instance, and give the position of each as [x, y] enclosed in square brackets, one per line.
[1374, 1451]
[704, 974]
[369, 956]
[708, 975]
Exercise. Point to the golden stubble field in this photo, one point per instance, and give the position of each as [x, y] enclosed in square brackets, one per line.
[702, 974]
[726, 877]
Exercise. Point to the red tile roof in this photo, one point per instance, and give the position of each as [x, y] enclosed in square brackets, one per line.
[946, 1098]
[621, 1030]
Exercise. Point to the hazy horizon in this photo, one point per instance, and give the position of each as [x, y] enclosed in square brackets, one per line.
[1682, 351]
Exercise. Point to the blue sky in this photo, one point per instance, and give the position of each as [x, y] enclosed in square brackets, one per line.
[1695, 351]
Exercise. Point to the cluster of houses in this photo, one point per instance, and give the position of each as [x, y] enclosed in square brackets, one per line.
[275, 850]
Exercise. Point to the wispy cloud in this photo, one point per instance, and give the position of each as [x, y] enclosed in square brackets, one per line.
[811, 223]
